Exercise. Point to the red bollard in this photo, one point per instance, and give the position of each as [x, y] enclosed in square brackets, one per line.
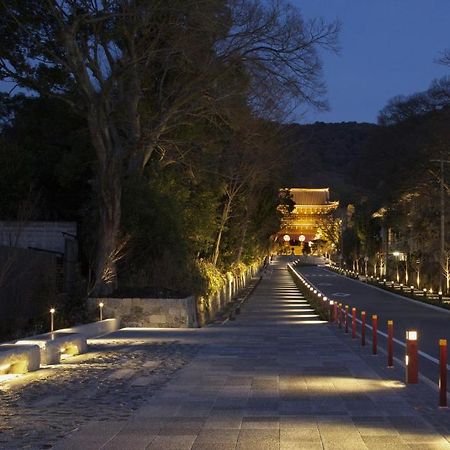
[353, 323]
[363, 328]
[411, 359]
[374, 333]
[390, 329]
[346, 318]
[443, 373]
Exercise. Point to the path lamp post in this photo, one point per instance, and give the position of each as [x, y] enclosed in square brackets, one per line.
[52, 322]
[418, 273]
[100, 307]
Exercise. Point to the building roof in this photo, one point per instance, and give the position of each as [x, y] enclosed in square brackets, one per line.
[303, 196]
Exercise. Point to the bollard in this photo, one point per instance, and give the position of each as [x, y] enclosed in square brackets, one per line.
[353, 323]
[401, 287]
[330, 311]
[390, 329]
[443, 373]
[100, 307]
[374, 333]
[411, 359]
[335, 313]
[346, 318]
[412, 290]
[440, 296]
[424, 293]
[340, 315]
[363, 328]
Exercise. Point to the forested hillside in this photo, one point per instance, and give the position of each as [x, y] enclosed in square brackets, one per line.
[329, 154]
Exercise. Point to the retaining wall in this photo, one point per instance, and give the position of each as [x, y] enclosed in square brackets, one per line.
[149, 312]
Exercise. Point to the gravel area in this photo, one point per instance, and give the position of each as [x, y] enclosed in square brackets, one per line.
[108, 383]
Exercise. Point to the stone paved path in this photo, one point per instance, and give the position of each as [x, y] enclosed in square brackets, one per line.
[276, 378]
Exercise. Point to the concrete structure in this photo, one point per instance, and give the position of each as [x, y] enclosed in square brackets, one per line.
[149, 312]
[19, 358]
[56, 345]
[94, 329]
[312, 211]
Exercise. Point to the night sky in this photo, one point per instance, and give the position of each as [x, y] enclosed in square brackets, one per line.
[388, 48]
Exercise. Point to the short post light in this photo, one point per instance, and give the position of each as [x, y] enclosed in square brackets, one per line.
[52, 319]
[390, 328]
[412, 290]
[440, 296]
[363, 328]
[353, 323]
[424, 292]
[330, 310]
[374, 334]
[443, 373]
[401, 287]
[346, 318]
[411, 357]
[100, 307]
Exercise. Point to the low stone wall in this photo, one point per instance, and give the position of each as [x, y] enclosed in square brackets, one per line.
[149, 312]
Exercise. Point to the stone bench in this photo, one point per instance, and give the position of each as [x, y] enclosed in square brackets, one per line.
[19, 358]
[54, 346]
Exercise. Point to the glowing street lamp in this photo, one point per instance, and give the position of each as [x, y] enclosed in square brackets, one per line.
[52, 313]
[100, 306]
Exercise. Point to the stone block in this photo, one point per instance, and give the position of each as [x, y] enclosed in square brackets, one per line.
[19, 358]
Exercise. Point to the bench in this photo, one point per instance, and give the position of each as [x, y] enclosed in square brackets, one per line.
[57, 345]
[19, 358]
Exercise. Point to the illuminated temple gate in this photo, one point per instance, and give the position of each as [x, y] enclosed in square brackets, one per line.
[309, 223]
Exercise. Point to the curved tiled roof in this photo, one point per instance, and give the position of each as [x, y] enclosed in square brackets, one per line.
[303, 196]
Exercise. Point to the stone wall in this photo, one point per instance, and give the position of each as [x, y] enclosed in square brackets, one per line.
[149, 312]
[186, 312]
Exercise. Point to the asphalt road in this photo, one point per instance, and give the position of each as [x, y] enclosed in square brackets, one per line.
[431, 323]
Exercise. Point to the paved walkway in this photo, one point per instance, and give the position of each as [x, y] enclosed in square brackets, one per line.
[276, 378]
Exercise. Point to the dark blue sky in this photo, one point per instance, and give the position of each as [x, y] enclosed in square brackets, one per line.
[388, 48]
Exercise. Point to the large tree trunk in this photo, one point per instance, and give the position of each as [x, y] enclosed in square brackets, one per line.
[109, 196]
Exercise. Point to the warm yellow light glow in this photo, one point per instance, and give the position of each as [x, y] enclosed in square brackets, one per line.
[101, 304]
[406, 359]
[52, 310]
[411, 335]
